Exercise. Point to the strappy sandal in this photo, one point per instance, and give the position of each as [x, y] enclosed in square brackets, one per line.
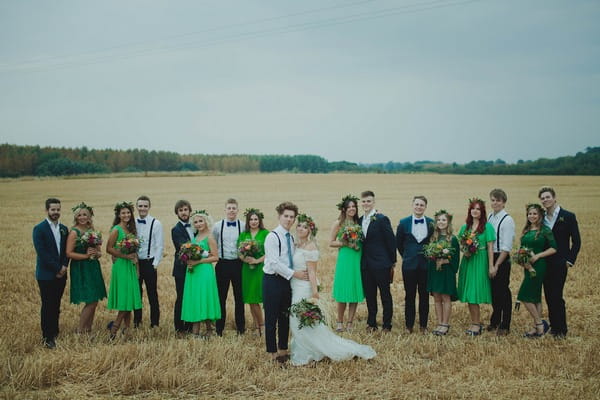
[339, 326]
[349, 326]
[472, 332]
[440, 332]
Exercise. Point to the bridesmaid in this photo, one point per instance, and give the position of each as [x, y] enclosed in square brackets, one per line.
[441, 274]
[474, 285]
[347, 281]
[124, 290]
[87, 283]
[539, 238]
[252, 267]
[200, 294]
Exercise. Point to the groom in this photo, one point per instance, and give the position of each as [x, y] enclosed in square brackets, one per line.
[377, 262]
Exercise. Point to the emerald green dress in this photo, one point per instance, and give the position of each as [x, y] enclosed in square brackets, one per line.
[200, 294]
[87, 283]
[531, 288]
[444, 281]
[124, 289]
[252, 275]
[347, 281]
[474, 285]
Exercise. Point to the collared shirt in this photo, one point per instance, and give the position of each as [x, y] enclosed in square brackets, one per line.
[506, 234]
[366, 221]
[419, 231]
[550, 220]
[157, 243]
[55, 228]
[227, 249]
[188, 228]
[276, 263]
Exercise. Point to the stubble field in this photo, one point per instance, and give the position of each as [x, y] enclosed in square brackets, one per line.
[154, 364]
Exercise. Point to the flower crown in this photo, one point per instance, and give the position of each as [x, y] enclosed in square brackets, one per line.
[443, 212]
[348, 197]
[303, 218]
[537, 207]
[256, 211]
[476, 200]
[123, 204]
[81, 206]
[200, 212]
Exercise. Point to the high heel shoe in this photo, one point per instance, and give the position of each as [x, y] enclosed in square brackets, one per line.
[535, 334]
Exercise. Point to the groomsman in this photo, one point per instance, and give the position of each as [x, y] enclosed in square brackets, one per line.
[566, 233]
[377, 262]
[229, 266]
[504, 226]
[50, 241]
[181, 233]
[150, 254]
[412, 234]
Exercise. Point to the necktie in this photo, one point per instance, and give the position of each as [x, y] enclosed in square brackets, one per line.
[420, 221]
[186, 225]
[288, 237]
[141, 221]
[231, 223]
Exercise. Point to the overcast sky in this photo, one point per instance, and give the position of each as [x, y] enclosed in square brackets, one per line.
[363, 81]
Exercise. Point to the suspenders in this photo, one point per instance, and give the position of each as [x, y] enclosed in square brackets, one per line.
[239, 225]
[498, 233]
[150, 237]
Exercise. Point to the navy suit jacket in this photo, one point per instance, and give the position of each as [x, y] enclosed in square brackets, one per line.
[566, 234]
[179, 235]
[409, 248]
[378, 248]
[49, 260]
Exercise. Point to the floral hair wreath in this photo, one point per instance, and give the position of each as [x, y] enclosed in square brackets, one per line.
[256, 211]
[123, 204]
[200, 212]
[303, 218]
[476, 200]
[82, 206]
[443, 212]
[537, 207]
[346, 198]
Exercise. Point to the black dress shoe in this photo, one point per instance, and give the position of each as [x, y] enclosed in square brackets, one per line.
[50, 344]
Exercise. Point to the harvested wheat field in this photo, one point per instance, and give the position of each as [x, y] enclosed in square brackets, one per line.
[154, 364]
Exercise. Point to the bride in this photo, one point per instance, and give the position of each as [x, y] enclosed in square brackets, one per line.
[313, 343]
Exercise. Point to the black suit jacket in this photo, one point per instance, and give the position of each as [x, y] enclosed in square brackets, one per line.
[408, 247]
[566, 234]
[49, 261]
[179, 235]
[379, 246]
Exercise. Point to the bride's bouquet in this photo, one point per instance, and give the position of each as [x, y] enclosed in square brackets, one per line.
[351, 236]
[191, 251]
[308, 313]
[90, 238]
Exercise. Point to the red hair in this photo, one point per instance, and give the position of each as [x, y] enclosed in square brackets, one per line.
[482, 218]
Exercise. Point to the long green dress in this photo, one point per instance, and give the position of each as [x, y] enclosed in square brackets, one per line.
[444, 281]
[252, 275]
[124, 289]
[474, 285]
[531, 288]
[87, 283]
[200, 293]
[347, 281]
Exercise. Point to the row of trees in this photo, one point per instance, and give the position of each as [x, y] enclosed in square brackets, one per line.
[18, 161]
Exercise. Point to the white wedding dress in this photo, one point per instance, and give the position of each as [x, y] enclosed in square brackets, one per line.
[319, 341]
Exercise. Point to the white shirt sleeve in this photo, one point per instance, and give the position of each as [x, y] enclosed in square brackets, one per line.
[507, 234]
[158, 243]
[273, 262]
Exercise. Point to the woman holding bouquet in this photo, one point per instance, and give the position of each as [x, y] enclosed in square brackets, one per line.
[347, 282]
[124, 290]
[83, 249]
[200, 293]
[251, 245]
[476, 238]
[314, 341]
[539, 241]
[442, 267]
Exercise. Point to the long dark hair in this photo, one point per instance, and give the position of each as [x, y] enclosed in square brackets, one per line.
[249, 213]
[482, 218]
[131, 224]
[527, 226]
[345, 206]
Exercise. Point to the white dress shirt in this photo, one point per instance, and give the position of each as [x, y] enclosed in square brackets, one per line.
[506, 235]
[419, 231]
[550, 220]
[274, 262]
[157, 245]
[228, 249]
[366, 221]
[188, 228]
[55, 228]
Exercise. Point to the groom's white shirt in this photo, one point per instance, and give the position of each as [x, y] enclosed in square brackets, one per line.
[274, 262]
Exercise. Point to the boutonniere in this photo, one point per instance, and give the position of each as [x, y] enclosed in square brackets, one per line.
[374, 216]
[63, 231]
[561, 219]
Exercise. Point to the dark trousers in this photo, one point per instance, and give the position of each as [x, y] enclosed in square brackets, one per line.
[51, 294]
[374, 279]
[554, 283]
[277, 299]
[180, 326]
[415, 279]
[230, 271]
[501, 295]
[148, 274]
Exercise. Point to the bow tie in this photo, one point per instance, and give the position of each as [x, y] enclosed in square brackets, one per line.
[141, 221]
[420, 221]
[186, 225]
[231, 223]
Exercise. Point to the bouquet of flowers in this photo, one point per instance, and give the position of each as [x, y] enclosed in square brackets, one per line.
[523, 257]
[129, 244]
[308, 313]
[351, 236]
[191, 251]
[248, 248]
[440, 250]
[90, 238]
[468, 243]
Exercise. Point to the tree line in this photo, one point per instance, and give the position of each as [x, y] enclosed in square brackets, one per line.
[18, 161]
